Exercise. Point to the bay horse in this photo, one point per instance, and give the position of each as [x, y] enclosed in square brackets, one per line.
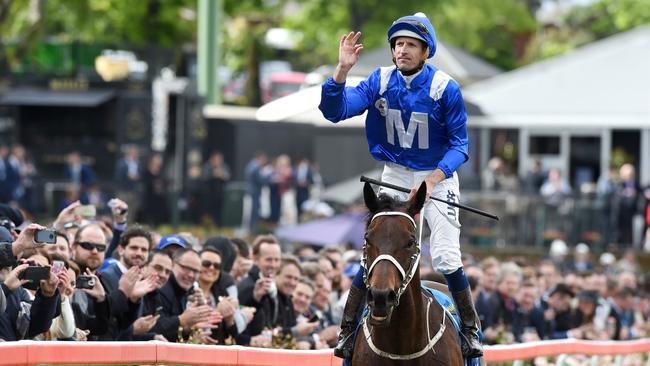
[403, 326]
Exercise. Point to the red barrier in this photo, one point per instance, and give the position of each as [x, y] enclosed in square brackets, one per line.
[88, 353]
[531, 350]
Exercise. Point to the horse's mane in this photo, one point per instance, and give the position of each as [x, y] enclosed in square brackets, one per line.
[386, 203]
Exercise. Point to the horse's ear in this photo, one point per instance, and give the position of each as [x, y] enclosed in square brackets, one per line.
[417, 201]
[369, 197]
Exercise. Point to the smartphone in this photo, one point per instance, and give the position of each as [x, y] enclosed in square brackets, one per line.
[85, 282]
[157, 311]
[314, 318]
[35, 273]
[45, 236]
[86, 211]
[58, 267]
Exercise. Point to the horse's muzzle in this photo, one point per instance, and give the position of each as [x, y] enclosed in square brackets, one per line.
[382, 302]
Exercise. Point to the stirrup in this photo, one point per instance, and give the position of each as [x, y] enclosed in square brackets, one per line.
[345, 346]
[470, 346]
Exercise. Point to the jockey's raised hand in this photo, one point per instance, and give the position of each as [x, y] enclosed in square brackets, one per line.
[349, 51]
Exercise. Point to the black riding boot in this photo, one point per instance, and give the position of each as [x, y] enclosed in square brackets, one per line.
[345, 344]
[469, 327]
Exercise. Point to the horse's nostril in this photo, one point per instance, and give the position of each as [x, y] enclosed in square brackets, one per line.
[369, 298]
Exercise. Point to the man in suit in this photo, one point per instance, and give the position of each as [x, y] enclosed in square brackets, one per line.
[174, 295]
[128, 176]
[255, 180]
[259, 289]
[9, 177]
[304, 179]
[79, 175]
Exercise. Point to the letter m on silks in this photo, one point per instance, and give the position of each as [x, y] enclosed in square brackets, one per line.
[419, 122]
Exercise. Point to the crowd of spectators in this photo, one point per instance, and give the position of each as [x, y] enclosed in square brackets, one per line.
[616, 196]
[111, 280]
[144, 184]
[108, 280]
[520, 300]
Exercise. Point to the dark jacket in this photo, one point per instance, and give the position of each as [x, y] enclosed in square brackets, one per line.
[123, 311]
[173, 299]
[529, 319]
[43, 310]
[122, 176]
[148, 305]
[87, 175]
[503, 309]
[271, 312]
[7, 258]
[90, 314]
[482, 305]
[115, 240]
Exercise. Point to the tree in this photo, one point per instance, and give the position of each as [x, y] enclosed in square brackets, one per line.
[493, 30]
[244, 30]
[489, 29]
[26, 24]
[585, 24]
[606, 17]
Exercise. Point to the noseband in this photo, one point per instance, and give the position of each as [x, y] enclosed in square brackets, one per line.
[414, 261]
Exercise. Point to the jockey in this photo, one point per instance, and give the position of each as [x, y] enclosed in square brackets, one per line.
[416, 125]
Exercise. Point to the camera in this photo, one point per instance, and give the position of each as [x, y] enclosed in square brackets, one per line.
[45, 236]
[85, 282]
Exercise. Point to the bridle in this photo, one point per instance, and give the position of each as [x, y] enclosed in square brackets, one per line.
[414, 260]
[407, 276]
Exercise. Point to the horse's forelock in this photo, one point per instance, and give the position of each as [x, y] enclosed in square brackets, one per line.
[387, 203]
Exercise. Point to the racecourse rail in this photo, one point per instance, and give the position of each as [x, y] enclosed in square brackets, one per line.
[154, 352]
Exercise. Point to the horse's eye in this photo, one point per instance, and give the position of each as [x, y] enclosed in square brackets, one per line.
[365, 239]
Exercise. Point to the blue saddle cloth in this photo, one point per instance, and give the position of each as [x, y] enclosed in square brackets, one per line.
[451, 314]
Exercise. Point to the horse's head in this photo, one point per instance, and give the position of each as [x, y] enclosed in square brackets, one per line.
[391, 250]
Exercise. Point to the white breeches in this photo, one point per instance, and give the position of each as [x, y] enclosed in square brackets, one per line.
[442, 218]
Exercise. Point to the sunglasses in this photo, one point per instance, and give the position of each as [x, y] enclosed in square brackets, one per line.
[208, 264]
[90, 246]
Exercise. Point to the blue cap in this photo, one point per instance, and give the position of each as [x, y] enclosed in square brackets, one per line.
[168, 240]
[415, 26]
[351, 269]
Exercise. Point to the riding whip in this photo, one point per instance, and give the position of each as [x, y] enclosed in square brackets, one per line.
[451, 203]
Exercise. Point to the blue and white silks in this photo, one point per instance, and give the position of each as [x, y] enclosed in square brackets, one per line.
[418, 122]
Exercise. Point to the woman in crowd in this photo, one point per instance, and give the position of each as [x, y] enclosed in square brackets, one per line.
[216, 287]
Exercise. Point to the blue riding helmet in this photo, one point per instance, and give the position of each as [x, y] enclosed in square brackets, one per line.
[414, 26]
